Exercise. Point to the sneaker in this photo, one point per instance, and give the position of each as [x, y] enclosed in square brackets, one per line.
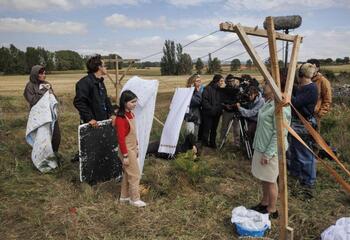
[124, 200]
[273, 215]
[259, 208]
[138, 203]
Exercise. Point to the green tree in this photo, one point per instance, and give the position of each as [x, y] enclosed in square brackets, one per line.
[5, 60]
[199, 66]
[328, 61]
[338, 61]
[18, 61]
[214, 66]
[46, 59]
[346, 60]
[249, 63]
[184, 63]
[235, 64]
[168, 61]
[32, 57]
[68, 60]
[111, 65]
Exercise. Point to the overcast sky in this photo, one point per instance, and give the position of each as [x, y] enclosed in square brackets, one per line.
[137, 28]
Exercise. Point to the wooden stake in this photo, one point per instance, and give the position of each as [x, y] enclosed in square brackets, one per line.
[116, 79]
[126, 71]
[292, 66]
[283, 188]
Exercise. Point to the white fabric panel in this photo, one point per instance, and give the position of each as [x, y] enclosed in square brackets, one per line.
[40, 125]
[146, 92]
[171, 131]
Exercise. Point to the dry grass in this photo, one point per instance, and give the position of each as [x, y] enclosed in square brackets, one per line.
[338, 68]
[58, 206]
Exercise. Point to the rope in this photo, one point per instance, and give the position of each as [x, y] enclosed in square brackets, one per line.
[186, 45]
[239, 54]
[200, 38]
[216, 50]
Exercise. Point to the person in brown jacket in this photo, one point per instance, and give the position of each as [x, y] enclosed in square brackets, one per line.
[324, 88]
[36, 87]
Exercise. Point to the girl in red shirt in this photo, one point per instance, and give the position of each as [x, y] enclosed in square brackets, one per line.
[128, 150]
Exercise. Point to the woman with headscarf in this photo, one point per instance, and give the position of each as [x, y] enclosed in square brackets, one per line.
[35, 89]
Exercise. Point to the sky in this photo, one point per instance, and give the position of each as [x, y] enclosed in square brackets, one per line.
[138, 28]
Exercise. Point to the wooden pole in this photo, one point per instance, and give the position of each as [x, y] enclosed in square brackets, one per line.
[126, 71]
[283, 193]
[292, 66]
[230, 27]
[116, 79]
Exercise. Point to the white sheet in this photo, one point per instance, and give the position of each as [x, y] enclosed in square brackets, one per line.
[146, 92]
[40, 125]
[171, 131]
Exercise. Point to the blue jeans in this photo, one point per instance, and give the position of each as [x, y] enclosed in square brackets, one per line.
[302, 163]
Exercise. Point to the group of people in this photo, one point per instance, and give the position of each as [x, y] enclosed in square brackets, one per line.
[224, 98]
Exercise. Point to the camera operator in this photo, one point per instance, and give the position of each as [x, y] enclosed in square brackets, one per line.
[229, 98]
[250, 109]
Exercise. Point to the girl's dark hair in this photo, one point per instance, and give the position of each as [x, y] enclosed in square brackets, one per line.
[215, 80]
[93, 63]
[126, 96]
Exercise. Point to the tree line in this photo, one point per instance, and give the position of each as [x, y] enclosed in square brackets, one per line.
[16, 61]
[173, 62]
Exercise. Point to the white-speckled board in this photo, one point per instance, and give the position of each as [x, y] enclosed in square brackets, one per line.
[98, 153]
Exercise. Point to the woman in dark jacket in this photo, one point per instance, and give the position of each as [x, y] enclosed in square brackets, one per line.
[211, 110]
[34, 90]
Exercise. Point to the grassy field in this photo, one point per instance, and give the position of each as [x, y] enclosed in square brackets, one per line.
[338, 68]
[187, 200]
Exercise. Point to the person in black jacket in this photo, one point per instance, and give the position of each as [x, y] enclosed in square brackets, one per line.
[229, 97]
[211, 110]
[91, 98]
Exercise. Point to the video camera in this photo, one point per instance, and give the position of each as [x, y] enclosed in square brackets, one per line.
[242, 95]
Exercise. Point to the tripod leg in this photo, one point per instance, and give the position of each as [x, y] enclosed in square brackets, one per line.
[245, 140]
[226, 134]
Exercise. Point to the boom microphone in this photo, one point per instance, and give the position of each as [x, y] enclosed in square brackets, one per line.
[285, 22]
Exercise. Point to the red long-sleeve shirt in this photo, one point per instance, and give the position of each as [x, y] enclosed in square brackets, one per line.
[123, 129]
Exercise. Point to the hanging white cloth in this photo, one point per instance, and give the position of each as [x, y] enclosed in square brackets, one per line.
[171, 131]
[40, 125]
[339, 231]
[146, 92]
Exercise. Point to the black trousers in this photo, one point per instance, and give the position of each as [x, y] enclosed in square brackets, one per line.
[56, 137]
[209, 127]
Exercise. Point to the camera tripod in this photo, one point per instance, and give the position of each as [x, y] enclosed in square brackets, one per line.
[244, 139]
